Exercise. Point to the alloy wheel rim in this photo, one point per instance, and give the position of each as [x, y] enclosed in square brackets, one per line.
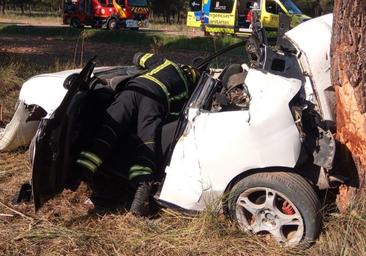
[265, 210]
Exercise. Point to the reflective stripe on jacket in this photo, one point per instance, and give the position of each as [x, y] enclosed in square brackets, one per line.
[166, 74]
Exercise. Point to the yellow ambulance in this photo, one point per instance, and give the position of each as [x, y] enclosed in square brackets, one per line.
[194, 13]
[234, 16]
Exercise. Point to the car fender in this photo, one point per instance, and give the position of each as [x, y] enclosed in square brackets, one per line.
[45, 91]
[220, 146]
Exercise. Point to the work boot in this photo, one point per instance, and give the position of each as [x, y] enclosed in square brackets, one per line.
[140, 203]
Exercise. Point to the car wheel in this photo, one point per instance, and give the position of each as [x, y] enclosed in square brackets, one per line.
[278, 203]
[75, 23]
[112, 24]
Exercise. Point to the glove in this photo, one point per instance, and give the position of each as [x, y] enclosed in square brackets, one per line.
[192, 73]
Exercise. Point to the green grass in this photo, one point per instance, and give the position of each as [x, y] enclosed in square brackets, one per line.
[33, 15]
[56, 32]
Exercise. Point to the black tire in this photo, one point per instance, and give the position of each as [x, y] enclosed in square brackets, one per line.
[293, 199]
[135, 29]
[112, 24]
[75, 23]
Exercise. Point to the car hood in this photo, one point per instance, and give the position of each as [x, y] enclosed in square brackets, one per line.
[47, 90]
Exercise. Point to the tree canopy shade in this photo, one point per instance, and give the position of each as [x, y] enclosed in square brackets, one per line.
[349, 78]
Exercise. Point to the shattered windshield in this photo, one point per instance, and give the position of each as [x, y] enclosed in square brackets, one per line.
[137, 2]
[291, 7]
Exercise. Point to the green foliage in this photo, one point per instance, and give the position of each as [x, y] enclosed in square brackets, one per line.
[58, 32]
[163, 6]
[28, 6]
[315, 8]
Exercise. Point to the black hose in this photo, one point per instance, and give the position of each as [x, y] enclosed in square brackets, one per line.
[203, 63]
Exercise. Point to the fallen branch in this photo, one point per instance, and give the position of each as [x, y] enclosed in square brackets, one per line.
[6, 215]
[16, 212]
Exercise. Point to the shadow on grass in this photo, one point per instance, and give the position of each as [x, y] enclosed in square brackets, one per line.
[49, 31]
[140, 38]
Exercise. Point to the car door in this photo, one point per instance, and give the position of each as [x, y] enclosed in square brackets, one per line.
[51, 163]
[61, 136]
[270, 14]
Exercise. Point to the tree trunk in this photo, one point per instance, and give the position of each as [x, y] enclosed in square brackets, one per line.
[349, 78]
[22, 6]
[3, 6]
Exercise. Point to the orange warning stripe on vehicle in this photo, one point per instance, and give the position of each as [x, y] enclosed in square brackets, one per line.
[140, 10]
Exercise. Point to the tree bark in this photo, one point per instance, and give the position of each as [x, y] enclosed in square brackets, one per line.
[349, 78]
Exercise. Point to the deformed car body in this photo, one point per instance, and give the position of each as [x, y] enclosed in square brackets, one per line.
[261, 160]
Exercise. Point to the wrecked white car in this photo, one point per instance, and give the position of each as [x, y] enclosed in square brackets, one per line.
[255, 141]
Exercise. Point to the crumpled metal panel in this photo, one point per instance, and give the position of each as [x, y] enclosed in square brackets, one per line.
[313, 39]
[218, 146]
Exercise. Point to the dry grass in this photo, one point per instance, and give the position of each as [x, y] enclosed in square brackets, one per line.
[9, 84]
[345, 234]
[68, 226]
[13, 72]
[37, 19]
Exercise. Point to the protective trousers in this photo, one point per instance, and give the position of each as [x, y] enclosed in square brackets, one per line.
[140, 110]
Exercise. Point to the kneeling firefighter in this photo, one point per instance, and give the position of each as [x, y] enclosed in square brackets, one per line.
[141, 108]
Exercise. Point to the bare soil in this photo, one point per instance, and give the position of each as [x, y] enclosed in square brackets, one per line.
[45, 50]
[49, 54]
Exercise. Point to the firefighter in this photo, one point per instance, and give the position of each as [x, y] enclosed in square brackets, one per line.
[141, 108]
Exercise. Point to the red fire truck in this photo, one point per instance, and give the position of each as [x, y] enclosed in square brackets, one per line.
[110, 14]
